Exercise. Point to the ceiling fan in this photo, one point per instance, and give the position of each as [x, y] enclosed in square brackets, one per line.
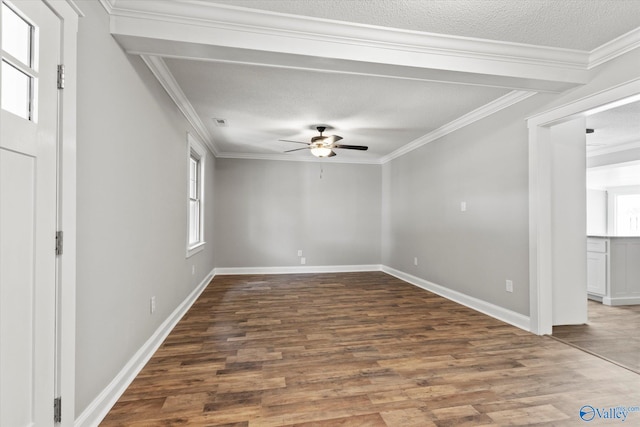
[323, 146]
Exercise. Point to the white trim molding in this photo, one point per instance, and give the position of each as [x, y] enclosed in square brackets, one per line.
[196, 151]
[541, 233]
[209, 31]
[511, 317]
[291, 158]
[480, 113]
[617, 301]
[307, 269]
[516, 319]
[160, 70]
[199, 30]
[627, 146]
[100, 406]
[615, 48]
[69, 14]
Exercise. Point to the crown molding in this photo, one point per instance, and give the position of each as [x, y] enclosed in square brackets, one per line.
[206, 14]
[288, 158]
[615, 48]
[486, 110]
[632, 145]
[108, 5]
[160, 70]
[606, 99]
[478, 114]
[74, 5]
[196, 26]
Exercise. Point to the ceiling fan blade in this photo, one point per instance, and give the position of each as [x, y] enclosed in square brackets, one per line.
[352, 147]
[297, 142]
[297, 149]
[332, 139]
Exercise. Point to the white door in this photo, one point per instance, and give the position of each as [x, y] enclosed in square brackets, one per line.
[28, 173]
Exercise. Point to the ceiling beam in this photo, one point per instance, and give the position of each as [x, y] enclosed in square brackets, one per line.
[205, 31]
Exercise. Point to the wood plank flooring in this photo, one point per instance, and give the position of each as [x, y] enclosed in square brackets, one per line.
[360, 349]
[611, 332]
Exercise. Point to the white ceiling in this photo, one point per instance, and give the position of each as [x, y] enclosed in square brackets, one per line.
[571, 24]
[274, 76]
[618, 126]
[264, 104]
[615, 130]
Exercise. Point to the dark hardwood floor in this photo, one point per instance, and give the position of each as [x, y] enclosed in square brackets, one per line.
[611, 332]
[360, 349]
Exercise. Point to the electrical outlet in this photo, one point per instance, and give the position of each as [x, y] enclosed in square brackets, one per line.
[415, 260]
[299, 252]
[303, 260]
[509, 286]
[152, 305]
[463, 206]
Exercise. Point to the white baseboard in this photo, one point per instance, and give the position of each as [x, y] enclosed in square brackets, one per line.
[99, 408]
[620, 301]
[500, 313]
[298, 269]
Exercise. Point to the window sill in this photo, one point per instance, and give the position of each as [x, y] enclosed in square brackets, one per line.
[192, 250]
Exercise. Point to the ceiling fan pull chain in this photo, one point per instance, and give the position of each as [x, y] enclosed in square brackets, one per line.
[321, 172]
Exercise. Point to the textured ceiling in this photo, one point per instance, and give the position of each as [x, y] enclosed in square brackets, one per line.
[619, 125]
[265, 104]
[613, 127]
[572, 24]
[280, 68]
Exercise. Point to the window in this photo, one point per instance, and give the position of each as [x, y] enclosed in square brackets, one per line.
[18, 74]
[624, 211]
[194, 199]
[628, 214]
[195, 229]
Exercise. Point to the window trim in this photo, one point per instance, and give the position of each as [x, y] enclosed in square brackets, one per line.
[195, 149]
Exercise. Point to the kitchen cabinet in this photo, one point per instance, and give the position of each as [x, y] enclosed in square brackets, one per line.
[597, 267]
[613, 269]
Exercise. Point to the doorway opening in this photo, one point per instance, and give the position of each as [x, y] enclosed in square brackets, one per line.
[613, 239]
[546, 229]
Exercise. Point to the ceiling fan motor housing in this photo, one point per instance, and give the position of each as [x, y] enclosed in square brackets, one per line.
[318, 139]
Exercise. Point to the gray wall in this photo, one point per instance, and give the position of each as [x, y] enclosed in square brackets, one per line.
[486, 165]
[267, 210]
[132, 207]
[476, 251]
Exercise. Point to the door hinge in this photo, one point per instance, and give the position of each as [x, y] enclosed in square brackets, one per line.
[61, 76]
[57, 410]
[59, 242]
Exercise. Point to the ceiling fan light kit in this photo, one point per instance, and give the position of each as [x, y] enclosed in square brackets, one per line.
[321, 151]
[322, 146]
